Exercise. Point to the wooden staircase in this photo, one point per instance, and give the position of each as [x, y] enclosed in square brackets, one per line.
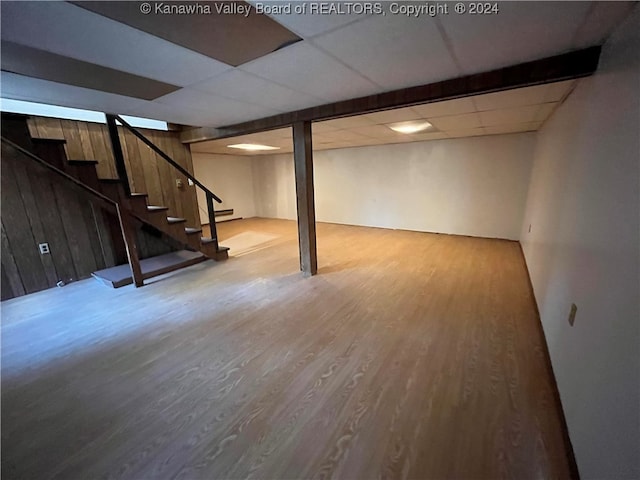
[134, 204]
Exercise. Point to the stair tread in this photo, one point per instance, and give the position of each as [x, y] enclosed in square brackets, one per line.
[156, 208]
[136, 194]
[176, 219]
[206, 240]
[121, 275]
[192, 230]
[82, 162]
[48, 140]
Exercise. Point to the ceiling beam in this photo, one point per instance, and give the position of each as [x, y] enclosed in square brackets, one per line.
[579, 63]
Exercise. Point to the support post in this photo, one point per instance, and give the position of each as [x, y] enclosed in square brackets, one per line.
[118, 156]
[303, 161]
[129, 236]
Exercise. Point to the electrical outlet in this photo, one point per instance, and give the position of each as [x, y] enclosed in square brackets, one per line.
[572, 314]
[44, 248]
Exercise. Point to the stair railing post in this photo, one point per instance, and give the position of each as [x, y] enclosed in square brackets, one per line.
[212, 219]
[118, 156]
[129, 236]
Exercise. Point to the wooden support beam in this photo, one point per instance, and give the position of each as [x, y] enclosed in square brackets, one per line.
[580, 63]
[129, 236]
[303, 160]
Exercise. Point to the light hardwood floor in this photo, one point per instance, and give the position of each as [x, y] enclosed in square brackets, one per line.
[410, 355]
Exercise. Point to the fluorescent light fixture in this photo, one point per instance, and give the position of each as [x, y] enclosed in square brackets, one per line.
[410, 127]
[43, 110]
[254, 147]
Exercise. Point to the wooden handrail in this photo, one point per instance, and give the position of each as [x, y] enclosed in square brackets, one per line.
[166, 157]
[99, 196]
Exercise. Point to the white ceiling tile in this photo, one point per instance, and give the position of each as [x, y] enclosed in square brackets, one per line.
[216, 111]
[314, 22]
[520, 32]
[511, 98]
[349, 122]
[603, 17]
[346, 136]
[457, 122]
[545, 110]
[395, 51]
[375, 131]
[558, 91]
[304, 68]
[509, 115]
[448, 107]
[421, 137]
[470, 132]
[243, 86]
[19, 87]
[168, 113]
[321, 127]
[321, 138]
[513, 128]
[77, 33]
[392, 116]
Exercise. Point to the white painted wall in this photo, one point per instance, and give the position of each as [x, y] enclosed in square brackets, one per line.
[470, 186]
[584, 206]
[231, 178]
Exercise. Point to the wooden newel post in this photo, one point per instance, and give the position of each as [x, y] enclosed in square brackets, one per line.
[129, 235]
[303, 160]
[212, 219]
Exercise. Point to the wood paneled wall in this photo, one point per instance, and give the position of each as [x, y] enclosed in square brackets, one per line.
[38, 206]
[148, 173]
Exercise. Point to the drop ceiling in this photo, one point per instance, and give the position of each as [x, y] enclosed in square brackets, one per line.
[338, 57]
[511, 111]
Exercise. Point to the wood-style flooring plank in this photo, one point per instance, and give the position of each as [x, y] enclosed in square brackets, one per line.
[409, 355]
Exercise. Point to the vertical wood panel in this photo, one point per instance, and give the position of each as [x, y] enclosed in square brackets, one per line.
[93, 233]
[131, 147]
[165, 174]
[104, 238]
[187, 194]
[10, 268]
[73, 147]
[35, 212]
[33, 127]
[102, 150]
[171, 190]
[193, 190]
[75, 228]
[52, 224]
[149, 162]
[19, 234]
[6, 292]
[49, 128]
[85, 142]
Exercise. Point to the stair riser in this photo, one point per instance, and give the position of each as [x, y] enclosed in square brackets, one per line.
[194, 240]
